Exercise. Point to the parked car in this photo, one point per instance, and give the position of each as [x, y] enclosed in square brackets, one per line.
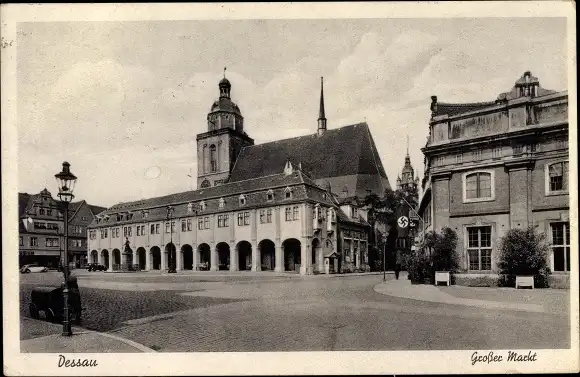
[96, 267]
[28, 268]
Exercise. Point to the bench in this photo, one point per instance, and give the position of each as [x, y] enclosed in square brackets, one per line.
[443, 277]
[524, 281]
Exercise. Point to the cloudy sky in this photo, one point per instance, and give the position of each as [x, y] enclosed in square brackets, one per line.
[123, 101]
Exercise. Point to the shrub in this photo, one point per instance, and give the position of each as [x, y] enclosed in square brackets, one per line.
[444, 249]
[524, 252]
[419, 268]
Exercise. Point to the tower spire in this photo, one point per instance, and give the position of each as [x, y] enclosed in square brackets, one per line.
[321, 115]
[225, 72]
[407, 145]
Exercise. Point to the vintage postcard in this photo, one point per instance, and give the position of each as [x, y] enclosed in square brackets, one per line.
[313, 188]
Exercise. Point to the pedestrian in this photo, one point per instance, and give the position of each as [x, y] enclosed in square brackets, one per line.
[397, 270]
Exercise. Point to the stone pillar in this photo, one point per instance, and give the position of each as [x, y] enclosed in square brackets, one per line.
[179, 261]
[100, 257]
[256, 257]
[213, 256]
[519, 193]
[135, 260]
[195, 253]
[164, 260]
[279, 266]
[234, 257]
[148, 260]
[305, 256]
[111, 258]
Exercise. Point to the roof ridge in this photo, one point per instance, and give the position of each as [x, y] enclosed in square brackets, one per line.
[466, 103]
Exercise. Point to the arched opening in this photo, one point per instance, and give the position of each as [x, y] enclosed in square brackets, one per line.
[267, 255]
[171, 256]
[155, 258]
[223, 250]
[244, 255]
[141, 258]
[105, 257]
[116, 259]
[213, 158]
[292, 257]
[94, 256]
[204, 258]
[187, 252]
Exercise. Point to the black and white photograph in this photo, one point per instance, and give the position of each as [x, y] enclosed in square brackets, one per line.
[311, 188]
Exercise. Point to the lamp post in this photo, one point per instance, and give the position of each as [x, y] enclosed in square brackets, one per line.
[385, 236]
[171, 268]
[66, 182]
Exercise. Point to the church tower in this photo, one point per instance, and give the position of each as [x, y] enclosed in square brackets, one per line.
[407, 178]
[218, 148]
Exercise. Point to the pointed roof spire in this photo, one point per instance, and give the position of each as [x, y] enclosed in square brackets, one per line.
[225, 72]
[321, 114]
[407, 145]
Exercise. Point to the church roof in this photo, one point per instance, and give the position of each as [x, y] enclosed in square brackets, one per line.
[347, 152]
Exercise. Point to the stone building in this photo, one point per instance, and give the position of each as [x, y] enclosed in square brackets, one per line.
[41, 229]
[273, 206]
[494, 166]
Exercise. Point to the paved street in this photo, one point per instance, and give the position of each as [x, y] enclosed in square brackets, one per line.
[278, 312]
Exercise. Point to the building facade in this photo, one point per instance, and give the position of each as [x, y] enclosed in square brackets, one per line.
[495, 166]
[41, 229]
[274, 206]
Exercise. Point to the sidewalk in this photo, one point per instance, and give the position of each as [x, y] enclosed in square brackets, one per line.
[82, 341]
[404, 289]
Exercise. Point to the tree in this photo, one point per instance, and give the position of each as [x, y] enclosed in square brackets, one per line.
[524, 252]
[438, 252]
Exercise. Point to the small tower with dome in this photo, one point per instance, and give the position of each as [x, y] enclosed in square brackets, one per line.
[218, 148]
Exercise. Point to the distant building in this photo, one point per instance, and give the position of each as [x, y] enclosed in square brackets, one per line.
[494, 166]
[281, 206]
[41, 229]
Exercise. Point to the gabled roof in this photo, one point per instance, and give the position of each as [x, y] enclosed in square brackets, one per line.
[253, 189]
[341, 152]
[96, 209]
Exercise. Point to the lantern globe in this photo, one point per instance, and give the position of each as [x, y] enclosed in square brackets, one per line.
[65, 181]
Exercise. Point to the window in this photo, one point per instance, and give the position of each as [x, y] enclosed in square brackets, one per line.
[295, 213]
[77, 243]
[222, 203]
[152, 229]
[458, 157]
[33, 241]
[183, 226]
[557, 177]
[172, 227]
[477, 153]
[269, 215]
[49, 212]
[138, 230]
[142, 230]
[52, 226]
[242, 200]
[288, 212]
[496, 152]
[477, 186]
[262, 216]
[270, 195]
[223, 221]
[200, 223]
[243, 218]
[206, 222]
[479, 248]
[41, 211]
[167, 225]
[212, 158]
[561, 246]
[189, 226]
[52, 242]
[354, 212]
[84, 218]
[288, 193]
[189, 207]
[21, 242]
[125, 231]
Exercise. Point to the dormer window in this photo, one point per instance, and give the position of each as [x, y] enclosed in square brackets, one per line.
[354, 212]
[288, 193]
[189, 207]
[222, 203]
[119, 217]
[332, 215]
[242, 200]
[270, 195]
[202, 205]
[145, 214]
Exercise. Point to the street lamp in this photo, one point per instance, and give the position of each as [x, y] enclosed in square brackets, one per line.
[171, 268]
[66, 183]
[385, 236]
